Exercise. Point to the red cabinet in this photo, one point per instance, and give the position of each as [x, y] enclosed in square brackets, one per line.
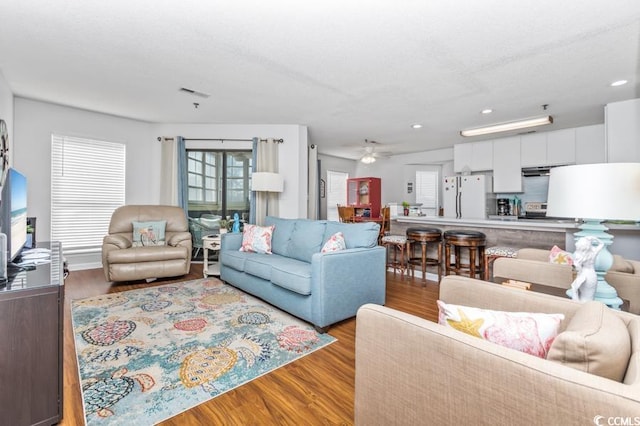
[364, 194]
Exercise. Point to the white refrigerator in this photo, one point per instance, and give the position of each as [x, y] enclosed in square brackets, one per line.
[468, 197]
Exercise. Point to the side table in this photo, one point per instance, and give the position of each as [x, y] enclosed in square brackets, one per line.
[210, 242]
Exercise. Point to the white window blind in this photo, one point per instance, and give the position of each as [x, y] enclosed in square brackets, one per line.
[87, 185]
[427, 190]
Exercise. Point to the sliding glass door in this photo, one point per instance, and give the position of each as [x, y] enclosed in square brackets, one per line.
[218, 183]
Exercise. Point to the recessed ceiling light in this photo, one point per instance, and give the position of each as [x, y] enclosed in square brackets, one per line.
[416, 126]
[487, 111]
[619, 83]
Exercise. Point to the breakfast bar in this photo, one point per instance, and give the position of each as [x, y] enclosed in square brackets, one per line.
[526, 233]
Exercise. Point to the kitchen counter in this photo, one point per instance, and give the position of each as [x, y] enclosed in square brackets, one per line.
[509, 222]
[521, 233]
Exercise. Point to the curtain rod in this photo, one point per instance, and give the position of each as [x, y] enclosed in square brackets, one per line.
[223, 140]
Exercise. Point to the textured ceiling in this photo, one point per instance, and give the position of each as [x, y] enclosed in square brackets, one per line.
[348, 70]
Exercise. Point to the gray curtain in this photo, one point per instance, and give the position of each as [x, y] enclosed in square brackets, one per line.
[183, 198]
[267, 161]
[169, 172]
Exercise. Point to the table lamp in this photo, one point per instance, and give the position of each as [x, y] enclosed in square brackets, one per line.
[595, 193]
[267, 182]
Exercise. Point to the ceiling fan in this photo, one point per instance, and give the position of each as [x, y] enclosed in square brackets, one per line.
[370, 153]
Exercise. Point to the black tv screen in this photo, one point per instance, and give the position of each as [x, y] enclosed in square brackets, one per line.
[13, 212]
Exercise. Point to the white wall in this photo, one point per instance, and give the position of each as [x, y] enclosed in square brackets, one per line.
[6, 111]
[35, 122]
[292, 155]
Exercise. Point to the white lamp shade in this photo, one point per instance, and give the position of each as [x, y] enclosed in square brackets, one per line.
[607, 191]
[267, 182]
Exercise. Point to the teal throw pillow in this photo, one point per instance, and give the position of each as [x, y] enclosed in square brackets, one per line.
[149, 233]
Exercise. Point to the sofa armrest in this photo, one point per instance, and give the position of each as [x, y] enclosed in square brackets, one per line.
[409, 369]
[533, 271]
[345, 280]
[179, 239]
[628, 288]
[116, 241]
[230, 241]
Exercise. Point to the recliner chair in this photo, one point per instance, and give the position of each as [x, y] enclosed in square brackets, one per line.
[122, 261]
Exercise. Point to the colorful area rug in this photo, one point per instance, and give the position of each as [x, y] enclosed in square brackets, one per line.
[152, 353]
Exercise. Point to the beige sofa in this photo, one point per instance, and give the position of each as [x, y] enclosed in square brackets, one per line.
[122, 261]
[532, 265]
[413, 371]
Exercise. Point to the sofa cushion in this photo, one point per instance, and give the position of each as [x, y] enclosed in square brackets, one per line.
[149, 233]
[235, 259]
[295, 275]
[334, 243]
[595, 341]
[283, 229]
[531, 333]
[356, 235]
[307, 239]
[256, 238]
[620, 264]
[261, 265]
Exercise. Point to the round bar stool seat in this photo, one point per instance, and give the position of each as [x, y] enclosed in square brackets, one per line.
[493, 253]
[425, 236]
[399, 244]
[475, 242]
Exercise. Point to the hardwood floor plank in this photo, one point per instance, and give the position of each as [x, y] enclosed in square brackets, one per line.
[316, 389]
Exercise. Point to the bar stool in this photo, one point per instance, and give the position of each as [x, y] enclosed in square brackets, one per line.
[474, 241]
[493, 253]
[399, 244]
[425, 236]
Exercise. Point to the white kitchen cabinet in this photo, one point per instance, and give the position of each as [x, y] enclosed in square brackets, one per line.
[553, 148]
[590, 144]
[561, 147]
[507, 173]
[476, 156]
[622, 123]
[533, 150]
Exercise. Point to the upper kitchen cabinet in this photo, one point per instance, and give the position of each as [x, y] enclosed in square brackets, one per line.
[548, 148]
[476, 156]
[561, 147]
[533, 150]
[622, 122]
[590, 146]
[507, 170]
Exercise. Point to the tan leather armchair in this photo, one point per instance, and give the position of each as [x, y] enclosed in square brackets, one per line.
[122, 261]
[532, 265]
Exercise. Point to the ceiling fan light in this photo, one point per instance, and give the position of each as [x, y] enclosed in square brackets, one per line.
[505, 127]
[368, 159]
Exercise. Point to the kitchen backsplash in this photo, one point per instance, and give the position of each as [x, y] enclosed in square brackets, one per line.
[535, 190]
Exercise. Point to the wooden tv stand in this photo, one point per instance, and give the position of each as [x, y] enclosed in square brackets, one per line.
[31, 309]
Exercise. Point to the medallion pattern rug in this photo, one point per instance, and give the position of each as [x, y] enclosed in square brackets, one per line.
[152, 353]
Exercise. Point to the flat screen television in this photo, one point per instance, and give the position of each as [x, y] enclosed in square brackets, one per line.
[13, 212]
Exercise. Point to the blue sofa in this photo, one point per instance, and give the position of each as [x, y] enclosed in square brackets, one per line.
[320, 288]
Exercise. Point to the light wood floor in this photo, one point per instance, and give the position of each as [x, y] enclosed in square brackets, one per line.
[317, 389]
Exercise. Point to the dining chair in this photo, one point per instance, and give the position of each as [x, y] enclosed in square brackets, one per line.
[346, 213]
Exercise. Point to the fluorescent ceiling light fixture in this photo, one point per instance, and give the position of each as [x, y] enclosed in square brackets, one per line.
[487, 111]
[505, 127]
[619, 83]
[368, 159]
[416, 126]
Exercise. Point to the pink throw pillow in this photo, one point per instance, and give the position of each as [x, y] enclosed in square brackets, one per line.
[559, 256]
[334, 243]
[531, 333]
[257, 238]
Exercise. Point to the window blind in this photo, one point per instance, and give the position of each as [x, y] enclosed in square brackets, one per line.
[87, 185]
[427, 189]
